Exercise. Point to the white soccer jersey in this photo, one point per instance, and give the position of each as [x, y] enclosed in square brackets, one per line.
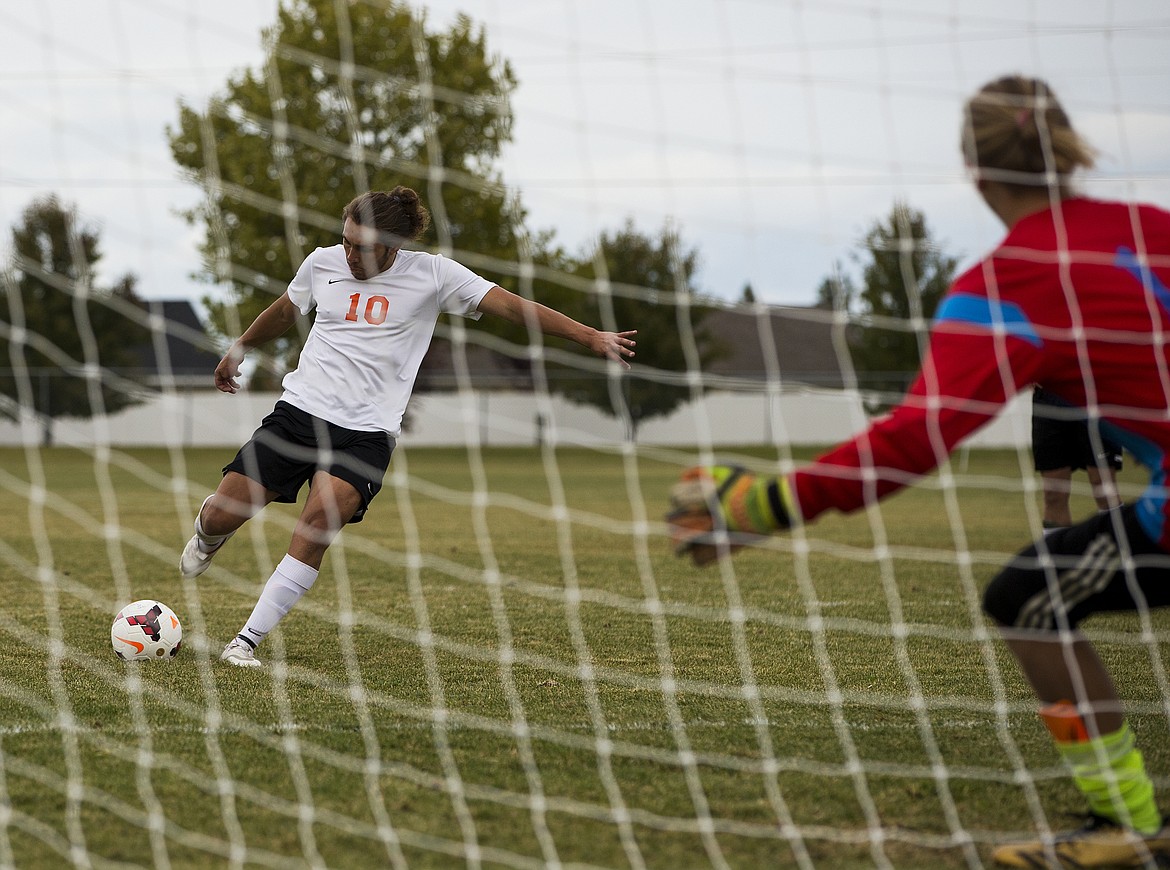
[363, 353]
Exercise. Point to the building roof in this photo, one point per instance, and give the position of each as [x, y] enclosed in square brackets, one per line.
[486, 368]
[791, 343]
[800, 351]
[179, 347]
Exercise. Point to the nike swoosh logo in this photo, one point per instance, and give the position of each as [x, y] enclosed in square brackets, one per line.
[335, 280]
[138, 647]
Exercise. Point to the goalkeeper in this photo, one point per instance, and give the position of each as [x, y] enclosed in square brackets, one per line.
[1075, 299]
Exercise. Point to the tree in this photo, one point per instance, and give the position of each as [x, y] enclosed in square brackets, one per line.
[650, 277]
[342, 105]
[64, 337]
[904, 277]
[837, 291]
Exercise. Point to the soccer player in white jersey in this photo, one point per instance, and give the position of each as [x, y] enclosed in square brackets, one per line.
[336, 423]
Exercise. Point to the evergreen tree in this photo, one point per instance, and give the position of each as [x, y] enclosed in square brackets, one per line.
[904, 276]
[836, 292]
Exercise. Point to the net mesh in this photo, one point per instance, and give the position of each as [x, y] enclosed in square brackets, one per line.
[504, 665]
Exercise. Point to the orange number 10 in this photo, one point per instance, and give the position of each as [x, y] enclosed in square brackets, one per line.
[377, 307]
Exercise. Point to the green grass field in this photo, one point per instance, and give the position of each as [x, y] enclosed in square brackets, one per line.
[391, 728]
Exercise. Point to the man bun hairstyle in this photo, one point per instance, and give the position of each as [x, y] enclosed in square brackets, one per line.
[398, 215]
[1016, 132]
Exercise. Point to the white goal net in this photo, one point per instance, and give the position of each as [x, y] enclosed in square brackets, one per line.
[503, 664]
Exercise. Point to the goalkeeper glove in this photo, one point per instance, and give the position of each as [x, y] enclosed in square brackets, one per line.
[718, 509]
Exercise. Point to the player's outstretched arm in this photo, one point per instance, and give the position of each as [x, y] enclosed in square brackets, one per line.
[273, 322]
[611, 345]
[717, 509]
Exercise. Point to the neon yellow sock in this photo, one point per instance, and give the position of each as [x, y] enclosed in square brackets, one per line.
[1111, 774]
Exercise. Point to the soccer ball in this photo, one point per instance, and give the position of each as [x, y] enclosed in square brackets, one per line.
[146, 630]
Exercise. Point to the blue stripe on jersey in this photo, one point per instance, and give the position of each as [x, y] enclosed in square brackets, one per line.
[999, 317]
[1128, 260]
[1151, 504]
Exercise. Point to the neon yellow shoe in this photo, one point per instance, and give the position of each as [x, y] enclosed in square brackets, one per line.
[1100, 843]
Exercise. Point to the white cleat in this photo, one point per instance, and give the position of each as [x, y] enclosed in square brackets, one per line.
[194, 560]
[240, 654]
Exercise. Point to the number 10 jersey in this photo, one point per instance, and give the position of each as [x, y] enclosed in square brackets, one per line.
[363, 353]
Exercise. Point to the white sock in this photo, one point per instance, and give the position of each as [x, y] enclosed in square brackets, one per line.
[207, 543]
[291, 579]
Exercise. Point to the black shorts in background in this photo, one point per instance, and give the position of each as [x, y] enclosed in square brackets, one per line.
[291, 446]
[1060, 438]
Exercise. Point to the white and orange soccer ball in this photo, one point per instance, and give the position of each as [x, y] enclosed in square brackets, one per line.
[145, 631]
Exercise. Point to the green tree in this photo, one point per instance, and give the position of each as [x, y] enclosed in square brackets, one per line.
[650, 276]
[63, 338]
[341, 105]
[904, 277]
[836, 292]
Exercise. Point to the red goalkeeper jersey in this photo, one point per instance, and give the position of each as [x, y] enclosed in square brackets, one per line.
[1075, 299]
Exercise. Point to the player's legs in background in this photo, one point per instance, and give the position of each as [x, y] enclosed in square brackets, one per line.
[1104, 488]
[1056, 486]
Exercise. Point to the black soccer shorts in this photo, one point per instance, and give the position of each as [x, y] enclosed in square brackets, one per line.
[1086, 574]
[1060, 438]
[291, 446]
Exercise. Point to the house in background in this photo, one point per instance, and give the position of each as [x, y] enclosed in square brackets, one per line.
[795, 347]
[179, 353]
[794, 344]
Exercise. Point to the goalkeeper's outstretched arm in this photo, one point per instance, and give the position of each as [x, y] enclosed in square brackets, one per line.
[718, 509]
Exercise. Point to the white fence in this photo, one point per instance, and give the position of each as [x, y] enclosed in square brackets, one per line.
[212, 419]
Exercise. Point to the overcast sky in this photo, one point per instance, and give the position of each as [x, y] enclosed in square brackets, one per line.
[771, 132]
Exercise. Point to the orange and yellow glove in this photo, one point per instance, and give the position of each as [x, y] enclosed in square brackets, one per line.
[716, 510]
